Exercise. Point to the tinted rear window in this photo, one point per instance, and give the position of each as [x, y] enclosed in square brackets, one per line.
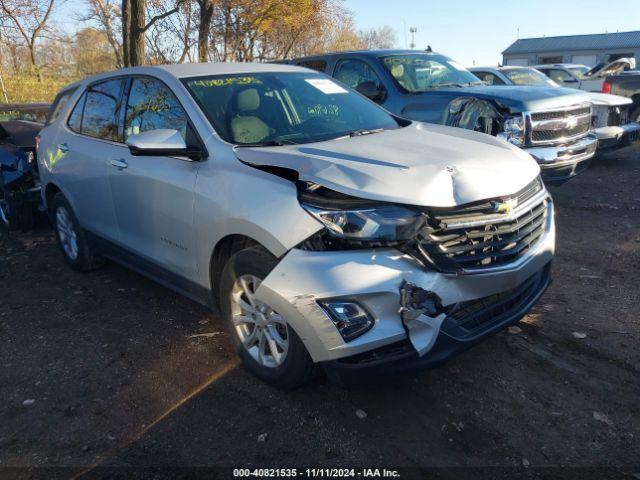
[319, 65]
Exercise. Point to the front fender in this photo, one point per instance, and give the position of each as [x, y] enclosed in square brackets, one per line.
[474, 114]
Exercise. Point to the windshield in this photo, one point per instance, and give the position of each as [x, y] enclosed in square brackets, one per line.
[420, 72]
[579, 72]
[285, 108]
[528, 76]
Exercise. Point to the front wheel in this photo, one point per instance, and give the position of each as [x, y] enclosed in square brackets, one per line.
[266, 344]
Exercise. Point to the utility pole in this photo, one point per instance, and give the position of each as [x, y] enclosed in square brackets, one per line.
[413, 31]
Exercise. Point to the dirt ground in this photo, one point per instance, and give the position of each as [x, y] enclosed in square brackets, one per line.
[110, 369]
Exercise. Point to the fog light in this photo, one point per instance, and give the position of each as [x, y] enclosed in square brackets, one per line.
[350, 318]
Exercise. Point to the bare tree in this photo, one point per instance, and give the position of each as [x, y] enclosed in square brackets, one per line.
[171, 39]
[30, 18]
[205, 12]
[381, 37]
[135, 25]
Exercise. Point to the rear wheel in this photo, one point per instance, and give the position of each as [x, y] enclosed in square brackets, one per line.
[71, 238]
[266, 344]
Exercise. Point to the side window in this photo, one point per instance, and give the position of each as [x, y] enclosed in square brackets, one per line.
[152, 106]
[489, 78]
[58, 104]
[559, 75]
[354, 73]
[75, 119]
[319, 65]
[101, 105]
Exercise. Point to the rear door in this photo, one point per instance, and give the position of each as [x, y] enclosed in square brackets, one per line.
[80, 155]
[154, 195]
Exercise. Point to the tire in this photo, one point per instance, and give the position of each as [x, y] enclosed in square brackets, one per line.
[17, 214]
[267, 329]
[71, 238]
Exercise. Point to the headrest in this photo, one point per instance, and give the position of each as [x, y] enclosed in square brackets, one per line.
[397, 70]
[248, 100]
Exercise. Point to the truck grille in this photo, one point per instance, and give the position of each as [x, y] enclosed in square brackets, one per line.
[556, 126]
[487, 235]
[606, 116]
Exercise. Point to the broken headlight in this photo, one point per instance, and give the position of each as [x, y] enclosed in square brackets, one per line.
[385, 224]
[513, 130]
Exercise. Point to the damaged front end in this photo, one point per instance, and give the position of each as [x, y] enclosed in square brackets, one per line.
[559, 139]
[19, 180]
[612, 124]
[385, 287]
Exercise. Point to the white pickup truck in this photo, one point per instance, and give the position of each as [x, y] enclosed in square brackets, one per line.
[585, 78]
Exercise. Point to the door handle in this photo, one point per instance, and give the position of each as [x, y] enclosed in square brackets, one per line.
[120, 164]
[63, 147]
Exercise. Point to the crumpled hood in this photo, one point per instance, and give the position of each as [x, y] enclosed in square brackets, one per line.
[421, 164]
[520, 98]
[608, 100]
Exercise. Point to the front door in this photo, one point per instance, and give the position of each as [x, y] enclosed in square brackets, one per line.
[154, 195]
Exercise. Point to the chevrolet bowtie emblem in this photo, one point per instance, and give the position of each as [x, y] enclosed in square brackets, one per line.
[504, 207]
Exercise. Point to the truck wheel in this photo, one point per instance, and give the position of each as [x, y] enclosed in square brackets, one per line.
[71, 238]
[267, 346]
[15, 213]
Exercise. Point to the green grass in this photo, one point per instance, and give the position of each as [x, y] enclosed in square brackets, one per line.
[27, 89]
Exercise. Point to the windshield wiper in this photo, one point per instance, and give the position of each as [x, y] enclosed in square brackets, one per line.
[270, 143]
[364, 131]
[459, 85]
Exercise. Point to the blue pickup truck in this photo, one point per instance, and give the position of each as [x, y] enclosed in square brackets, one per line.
[552, 124]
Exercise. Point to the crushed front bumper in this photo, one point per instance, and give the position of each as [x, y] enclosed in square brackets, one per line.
[374, 279]
[616, 137]
[561, 163]
[401, 357]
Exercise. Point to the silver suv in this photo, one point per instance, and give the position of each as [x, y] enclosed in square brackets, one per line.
[325, 230]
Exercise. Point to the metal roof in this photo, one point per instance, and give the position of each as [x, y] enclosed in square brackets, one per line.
[595, 41]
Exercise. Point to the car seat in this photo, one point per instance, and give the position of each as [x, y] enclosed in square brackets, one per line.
[246, 125]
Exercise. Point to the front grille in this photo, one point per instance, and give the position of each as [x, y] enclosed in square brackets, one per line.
[552, 115]
[582, 126]
[476, 237]
[560, 125]
[618, 116]
[605, 116]
[474, 317]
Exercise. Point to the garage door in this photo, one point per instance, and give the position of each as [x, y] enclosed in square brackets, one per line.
[517, 62]
[589, 60]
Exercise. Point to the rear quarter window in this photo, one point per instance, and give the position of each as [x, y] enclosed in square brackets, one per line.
[318, 65]
[58, 105]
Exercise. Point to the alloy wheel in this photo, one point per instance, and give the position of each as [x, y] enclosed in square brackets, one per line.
[261, 330]
[66, 233]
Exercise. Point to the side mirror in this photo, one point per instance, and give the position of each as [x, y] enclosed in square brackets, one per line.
[371, 91]
[162, 142]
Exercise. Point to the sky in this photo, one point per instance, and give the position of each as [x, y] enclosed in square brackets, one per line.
[475, 33]
[470, 32]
